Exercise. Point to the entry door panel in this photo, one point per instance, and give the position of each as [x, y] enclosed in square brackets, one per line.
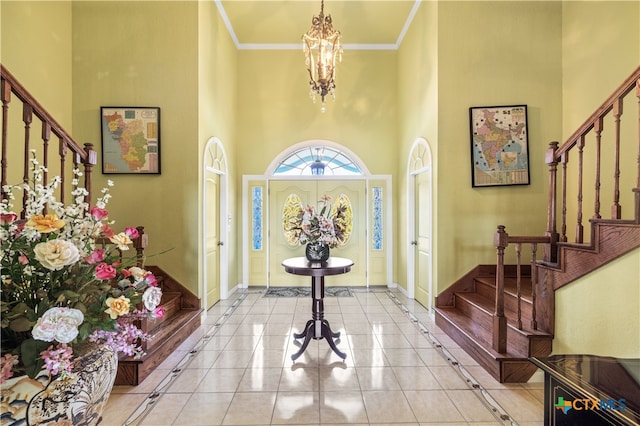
[423, 239]
[310, 192]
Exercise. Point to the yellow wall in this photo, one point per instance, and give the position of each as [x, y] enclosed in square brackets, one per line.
[44, 30]
[418, 114]
[217, 114]
[146, 54]
[599, 313]
[492, 53]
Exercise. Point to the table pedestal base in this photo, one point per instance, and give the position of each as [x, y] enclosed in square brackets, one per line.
[317, 329]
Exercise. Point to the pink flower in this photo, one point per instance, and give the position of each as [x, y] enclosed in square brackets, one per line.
[6, 366]
[108, 231]
[97, 256]
[150, 279]
[158, 312]
[7, 218]
[99, 213]
[24, 260]
[105, 272]
[132, 233]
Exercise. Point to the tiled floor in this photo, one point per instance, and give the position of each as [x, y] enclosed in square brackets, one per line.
[400, 369]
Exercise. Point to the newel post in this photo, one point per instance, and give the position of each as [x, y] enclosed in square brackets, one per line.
[551, 232]
[499, 343]
[90, 161]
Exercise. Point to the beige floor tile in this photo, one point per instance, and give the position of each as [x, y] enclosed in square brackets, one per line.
[377, 378]
[433, 407]
[233, 359]
[187, 381]
[168, 406]
[339, 407]
[448, 377]
[403, 357]
[432, 357]
[120, 406]
[416, 378]
[470, 404]
[338, 379]
[296, 408]
[221, 380]
[299, 379]
[204, 409]
[521, 404]
[254, 408]
[388, 406]
[260, 380]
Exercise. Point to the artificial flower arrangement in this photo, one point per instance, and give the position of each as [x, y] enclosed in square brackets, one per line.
[319, 224]
[60, 287]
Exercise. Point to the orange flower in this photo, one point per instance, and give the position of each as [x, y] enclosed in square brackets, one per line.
[45, 223]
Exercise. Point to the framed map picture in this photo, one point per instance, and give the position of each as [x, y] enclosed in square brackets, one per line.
[499, 145]
[130, 139]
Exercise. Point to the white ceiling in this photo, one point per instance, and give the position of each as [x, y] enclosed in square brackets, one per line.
[280, 24]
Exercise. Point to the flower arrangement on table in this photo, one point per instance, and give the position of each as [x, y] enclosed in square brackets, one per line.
[61, 288]
[324, 223]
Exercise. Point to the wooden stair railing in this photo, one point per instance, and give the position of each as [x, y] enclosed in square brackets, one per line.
[67, 147]
[591, 138]
[502, 241]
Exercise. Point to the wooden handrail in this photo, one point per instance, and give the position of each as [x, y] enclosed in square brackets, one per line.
[85, 156]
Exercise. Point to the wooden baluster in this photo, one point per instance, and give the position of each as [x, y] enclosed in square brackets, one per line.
[534, 284]
[5, 93]
[518, 285]
[27, 117]
[598, 125]
[550, 159]
[46, 135]
[638, 172]
[564, 160]
[91, 160]
[579, 227]
[499, 342]
[62, 151]
[616, 209]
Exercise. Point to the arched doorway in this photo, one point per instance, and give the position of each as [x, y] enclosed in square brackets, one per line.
[215, 225]
[420, 223]
[294, 174]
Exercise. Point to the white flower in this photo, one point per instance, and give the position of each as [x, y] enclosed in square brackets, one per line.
[122, 240]
[56, 254]
[60, 324]
[151, 298]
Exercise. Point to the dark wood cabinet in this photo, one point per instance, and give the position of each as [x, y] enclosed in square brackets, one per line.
[585, 390]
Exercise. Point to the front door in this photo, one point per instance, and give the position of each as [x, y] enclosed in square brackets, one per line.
[309, 192]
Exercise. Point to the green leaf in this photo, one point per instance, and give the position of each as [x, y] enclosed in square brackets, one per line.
[30, 356]
[20, 324]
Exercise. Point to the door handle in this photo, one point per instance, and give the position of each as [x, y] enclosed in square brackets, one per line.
[414, 243]
[220, 243]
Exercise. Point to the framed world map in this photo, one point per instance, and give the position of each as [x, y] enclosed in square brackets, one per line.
[130, 139]
[499, 145]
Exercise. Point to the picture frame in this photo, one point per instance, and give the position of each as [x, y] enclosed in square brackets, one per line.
[130, 139]
[499, 145]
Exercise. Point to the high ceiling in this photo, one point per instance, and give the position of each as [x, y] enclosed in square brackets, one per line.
[280, 24]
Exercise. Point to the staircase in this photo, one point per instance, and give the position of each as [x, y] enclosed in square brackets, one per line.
[57, 150]
[181, 319]
[502, 315]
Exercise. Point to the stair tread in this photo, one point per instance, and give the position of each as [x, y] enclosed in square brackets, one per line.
[510, 284]
[487, 305]
[480, 334]
[167, 329]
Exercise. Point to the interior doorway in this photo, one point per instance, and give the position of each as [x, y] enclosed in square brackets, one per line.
[215, 225]
[420, 224]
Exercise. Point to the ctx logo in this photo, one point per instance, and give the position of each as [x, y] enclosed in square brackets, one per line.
[589, 404]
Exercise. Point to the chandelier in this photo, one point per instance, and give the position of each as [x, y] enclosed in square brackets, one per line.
[321, 50]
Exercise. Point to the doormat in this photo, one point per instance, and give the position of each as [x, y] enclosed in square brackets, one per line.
[306, 292]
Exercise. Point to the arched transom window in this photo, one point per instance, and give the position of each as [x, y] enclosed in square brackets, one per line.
[317, 160]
